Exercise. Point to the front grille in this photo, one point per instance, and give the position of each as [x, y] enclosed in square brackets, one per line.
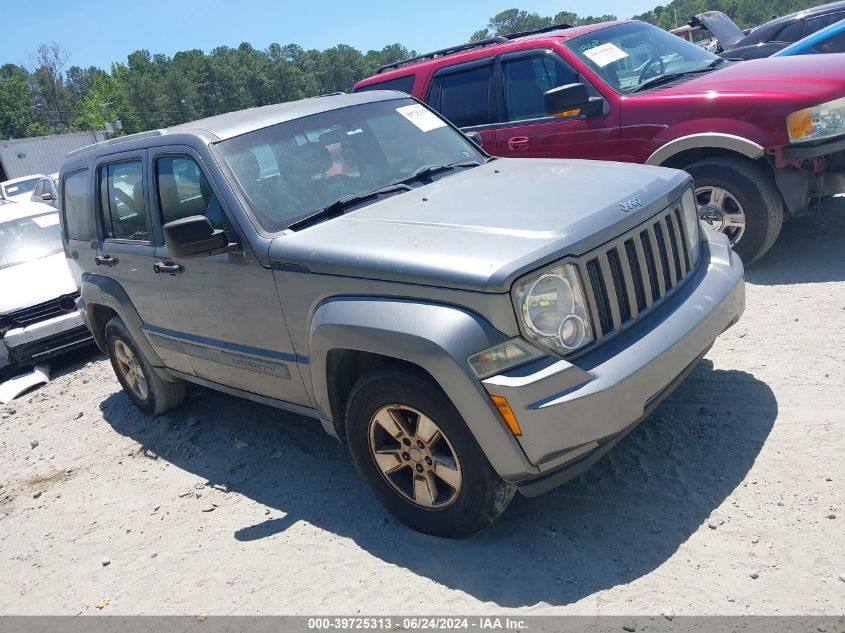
[43, 311]
[631, 275]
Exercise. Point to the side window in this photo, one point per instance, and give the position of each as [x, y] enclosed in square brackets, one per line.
[527, 79]
[817, 24]
[402, 84]
[122, 201]
[183, 191]
[791, 32]
[833, 44]
[76, 205]
[463, 97]
[39, 189]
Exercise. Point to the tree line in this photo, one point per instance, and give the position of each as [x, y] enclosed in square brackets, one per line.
[150, 91]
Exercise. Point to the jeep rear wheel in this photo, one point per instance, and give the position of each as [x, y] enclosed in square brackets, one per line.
[418, 457]
[142, 383]
[736, 197]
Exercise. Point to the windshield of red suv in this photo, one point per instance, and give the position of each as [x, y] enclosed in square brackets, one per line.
[294, 169]
[631, 55]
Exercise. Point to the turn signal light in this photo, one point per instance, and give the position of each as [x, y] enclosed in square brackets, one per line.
[507, 414]
[568, 113]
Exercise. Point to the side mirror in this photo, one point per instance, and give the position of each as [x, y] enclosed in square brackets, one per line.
[475, 137]
[47, 197]
[193, 237]
[571, 101]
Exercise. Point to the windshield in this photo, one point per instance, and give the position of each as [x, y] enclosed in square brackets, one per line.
[27, 239]
[21, 187]
[628, 55]
[292, 170]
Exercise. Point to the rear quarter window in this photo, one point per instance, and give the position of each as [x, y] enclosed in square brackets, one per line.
[76, 206]
[402, 84]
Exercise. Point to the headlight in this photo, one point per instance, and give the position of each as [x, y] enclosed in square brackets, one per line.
[691, 224]
[819, 122]
[553, 310]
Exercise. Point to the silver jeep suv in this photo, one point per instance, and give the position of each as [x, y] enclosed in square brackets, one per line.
[469, 326]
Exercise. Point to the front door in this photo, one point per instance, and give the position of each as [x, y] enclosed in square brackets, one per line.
[525, 130]
[226, 313]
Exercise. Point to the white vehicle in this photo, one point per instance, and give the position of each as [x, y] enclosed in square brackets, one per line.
[47, 190]
[19, 189]
[38, 315]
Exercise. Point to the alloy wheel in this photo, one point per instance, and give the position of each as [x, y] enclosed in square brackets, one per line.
[130, 369]
[719, 210]
[414, 456]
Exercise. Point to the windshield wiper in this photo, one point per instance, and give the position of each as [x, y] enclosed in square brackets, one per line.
[336, 208]
[654, 81]
[429, 170]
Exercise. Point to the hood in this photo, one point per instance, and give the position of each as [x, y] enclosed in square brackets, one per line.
[481, 228]
[721, 26]
[35, 282]
[808, 80]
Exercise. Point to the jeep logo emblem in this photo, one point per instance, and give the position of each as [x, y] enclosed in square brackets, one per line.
[630, 205]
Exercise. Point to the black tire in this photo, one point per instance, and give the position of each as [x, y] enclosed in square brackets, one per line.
[162, 395]
[757, 194]
[483, 494]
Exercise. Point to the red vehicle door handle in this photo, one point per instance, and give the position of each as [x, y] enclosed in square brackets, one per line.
[517, 143]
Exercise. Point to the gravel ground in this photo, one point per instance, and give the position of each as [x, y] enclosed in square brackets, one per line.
[729, 500]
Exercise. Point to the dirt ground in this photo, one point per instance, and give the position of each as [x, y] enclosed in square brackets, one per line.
[729, 500]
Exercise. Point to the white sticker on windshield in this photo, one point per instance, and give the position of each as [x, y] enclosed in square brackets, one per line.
[422, 118]
[605, 54]
[46, 220]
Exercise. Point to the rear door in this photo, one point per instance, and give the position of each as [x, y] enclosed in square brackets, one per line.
[525, 130]
[125, 249]
[227, 317]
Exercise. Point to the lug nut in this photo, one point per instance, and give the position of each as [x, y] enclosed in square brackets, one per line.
[428, 460]
[406, 441]
[406, 456]
[420, 444]
[419, 468]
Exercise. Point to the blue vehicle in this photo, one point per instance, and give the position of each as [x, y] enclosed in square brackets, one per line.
[830, 39]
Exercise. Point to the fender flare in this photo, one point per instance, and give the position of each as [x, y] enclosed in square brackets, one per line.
[97, 290]
[434, 337]
[709, 140]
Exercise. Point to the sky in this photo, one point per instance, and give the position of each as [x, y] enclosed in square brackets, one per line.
[97, 33]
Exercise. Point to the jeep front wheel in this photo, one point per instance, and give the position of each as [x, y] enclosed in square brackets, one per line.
[736, 197]
[418, 457]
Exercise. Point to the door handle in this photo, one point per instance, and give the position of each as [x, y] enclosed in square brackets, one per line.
[105, 260]
[170, 269]
[517, 143]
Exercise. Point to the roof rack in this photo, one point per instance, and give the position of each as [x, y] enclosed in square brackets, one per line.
[117, 140]
[490, 41]
[444, 51]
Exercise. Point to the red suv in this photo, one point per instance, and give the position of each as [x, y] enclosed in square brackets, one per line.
[763, 139]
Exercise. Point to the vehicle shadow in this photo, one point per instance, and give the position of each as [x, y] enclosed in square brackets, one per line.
[807, 251]
[620, 521]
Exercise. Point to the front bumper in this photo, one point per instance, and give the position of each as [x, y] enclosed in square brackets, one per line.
[43, 340]
[806, 173]
[572, 412]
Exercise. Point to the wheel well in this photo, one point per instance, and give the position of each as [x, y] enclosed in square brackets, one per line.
[687, 157]
[684, 159]
[99, 315]
[343, 369]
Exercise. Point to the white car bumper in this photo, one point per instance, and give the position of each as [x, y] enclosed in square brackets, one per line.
[39, 341]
